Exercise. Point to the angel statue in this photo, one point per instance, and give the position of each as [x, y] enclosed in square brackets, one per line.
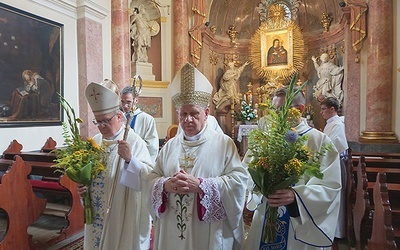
[228, 85]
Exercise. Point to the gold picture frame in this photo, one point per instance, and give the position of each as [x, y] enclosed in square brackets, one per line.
[277, 65]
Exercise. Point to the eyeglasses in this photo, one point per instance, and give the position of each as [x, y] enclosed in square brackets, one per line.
[104, 122]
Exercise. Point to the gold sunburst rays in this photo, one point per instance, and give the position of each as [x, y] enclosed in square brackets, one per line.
[294, 43]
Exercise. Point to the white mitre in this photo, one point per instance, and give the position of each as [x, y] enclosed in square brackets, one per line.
[190, 86]
[103, 97]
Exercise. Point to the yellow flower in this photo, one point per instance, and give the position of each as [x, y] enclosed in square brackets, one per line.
[94, 143]
[262, 162]
[293, 115]
[294, 166]
[81, 160]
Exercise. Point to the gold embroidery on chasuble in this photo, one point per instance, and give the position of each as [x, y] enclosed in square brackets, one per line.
[184, 203]
[181, 211]
[186, 162]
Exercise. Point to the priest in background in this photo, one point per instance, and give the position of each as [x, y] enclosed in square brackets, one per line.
[142, 123]
[312, 204]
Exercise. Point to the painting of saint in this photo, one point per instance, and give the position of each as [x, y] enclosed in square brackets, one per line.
[277, 54]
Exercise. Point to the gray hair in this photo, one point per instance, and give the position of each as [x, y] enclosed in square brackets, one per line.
[298, 99]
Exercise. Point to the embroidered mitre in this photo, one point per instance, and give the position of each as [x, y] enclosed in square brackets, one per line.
[190, 86]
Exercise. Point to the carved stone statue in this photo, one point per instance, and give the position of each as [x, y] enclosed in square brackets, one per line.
[228, 85]
[330, 79]
[140, 34]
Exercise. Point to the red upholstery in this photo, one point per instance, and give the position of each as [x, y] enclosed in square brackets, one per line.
[52, 185]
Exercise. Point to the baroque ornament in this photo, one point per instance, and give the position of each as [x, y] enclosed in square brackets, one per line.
[278, 31]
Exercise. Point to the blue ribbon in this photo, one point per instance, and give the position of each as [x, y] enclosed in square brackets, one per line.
[282, 231]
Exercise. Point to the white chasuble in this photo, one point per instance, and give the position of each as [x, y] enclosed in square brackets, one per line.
[318, 202]
[179, 222]
[129, 221]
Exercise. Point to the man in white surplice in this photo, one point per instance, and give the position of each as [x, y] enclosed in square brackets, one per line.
[335, 129]
[198, 183]
[312, 203]
[128, 224]
[142, 123]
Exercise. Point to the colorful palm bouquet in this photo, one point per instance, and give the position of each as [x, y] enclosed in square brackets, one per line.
[80, 159]
[279, 155]
[246, 113]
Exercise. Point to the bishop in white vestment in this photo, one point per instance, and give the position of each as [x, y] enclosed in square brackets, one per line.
[198, 183]
[127, 223]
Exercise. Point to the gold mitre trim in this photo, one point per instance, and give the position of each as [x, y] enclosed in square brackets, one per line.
[188, 93]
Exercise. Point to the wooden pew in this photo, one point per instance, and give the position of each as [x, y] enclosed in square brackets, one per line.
[378, 154]
[21, 212]
[382, 229]
[350, 198]
[366, 189]
[378, 162]
[361, 210]
[41, 164]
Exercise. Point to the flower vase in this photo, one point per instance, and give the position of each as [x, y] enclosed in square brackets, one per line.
[269, 235]
[248, 122]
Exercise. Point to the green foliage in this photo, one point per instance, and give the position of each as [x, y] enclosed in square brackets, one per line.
[79, 159]
[279, 155]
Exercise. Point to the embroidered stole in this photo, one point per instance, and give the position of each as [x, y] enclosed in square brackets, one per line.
[282, 231]
[134, 120]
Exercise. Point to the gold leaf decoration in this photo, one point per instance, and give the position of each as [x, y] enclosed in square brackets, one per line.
[296, 50]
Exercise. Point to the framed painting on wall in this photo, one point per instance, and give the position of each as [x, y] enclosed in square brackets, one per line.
[31, 69]
[276, 49]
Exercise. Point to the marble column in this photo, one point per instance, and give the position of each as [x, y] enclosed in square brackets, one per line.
[121, 63]
[351, 83]
[90, 68]
[378, 126]
[181, 36]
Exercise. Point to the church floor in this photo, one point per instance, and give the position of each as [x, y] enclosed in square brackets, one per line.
[47, 227]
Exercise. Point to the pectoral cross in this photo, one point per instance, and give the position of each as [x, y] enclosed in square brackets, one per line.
[186, 162]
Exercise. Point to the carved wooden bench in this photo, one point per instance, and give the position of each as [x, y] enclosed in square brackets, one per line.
[20, 204]
[382, 229]
[363, 208]
[40, 163]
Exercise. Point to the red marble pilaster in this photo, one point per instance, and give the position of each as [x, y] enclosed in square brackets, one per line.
[180, 31]
[121, 64]
[378, 126]
[90, 68]
[351, 83]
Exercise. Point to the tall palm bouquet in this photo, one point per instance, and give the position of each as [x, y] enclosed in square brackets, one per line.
[79, 159]
[279, 155]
